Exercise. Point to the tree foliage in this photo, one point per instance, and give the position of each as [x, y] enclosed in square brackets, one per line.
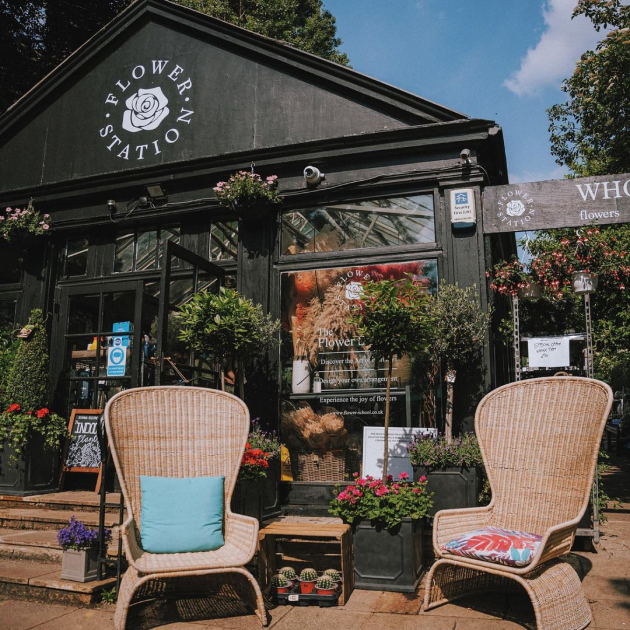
[590, 133]
[39, 34]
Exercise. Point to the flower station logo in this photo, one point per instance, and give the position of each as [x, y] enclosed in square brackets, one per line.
[516, 208]
[154, 114]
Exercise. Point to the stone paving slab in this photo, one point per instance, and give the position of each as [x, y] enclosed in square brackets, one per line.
[24, 615]
[31, 517]
[17, 572]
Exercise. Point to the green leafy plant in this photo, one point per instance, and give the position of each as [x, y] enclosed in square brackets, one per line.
[109, 596]
[8, 348]
[246, 191]
[325, 583]
[384, 503]
[439, 454]
[308, 575]
[392, 318]
[228, 326]
[460, 324]
[20, 226]
[27, 392]
[509, 277]
[288, 572]
[604, 500]
[279, 581]
[334, 574]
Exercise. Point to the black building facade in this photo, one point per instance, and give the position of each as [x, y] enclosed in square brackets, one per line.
[122, 145]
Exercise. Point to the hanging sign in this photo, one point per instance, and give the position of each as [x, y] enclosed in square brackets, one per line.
[557, 203]
[463, 211]
[549, 352]
[398, 438]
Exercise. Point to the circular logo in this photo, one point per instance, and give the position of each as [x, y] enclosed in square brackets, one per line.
[147, 109]
[515, 208]
[116, 356]
[117, 341]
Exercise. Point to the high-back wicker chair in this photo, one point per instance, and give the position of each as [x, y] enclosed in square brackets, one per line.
[179, 432]
[539, 441]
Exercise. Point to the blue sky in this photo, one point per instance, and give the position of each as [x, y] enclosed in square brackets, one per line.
[502, 60]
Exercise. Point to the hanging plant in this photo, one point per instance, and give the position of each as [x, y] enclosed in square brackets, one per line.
[509, 277]
[248, 194]
[23, 227]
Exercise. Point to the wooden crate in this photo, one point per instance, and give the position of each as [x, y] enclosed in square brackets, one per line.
[300, 545]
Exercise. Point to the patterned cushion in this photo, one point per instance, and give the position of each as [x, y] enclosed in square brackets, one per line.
[492, 544]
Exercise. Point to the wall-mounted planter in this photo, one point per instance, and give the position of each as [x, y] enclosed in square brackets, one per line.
[452, 488]
[388, 559]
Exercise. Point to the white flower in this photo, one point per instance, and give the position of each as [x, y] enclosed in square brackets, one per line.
[145, 110]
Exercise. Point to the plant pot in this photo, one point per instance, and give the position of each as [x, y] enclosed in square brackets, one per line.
[306, 588]
[326, 591]
[251, 208]
[247, 498]
[283, 589]
[301, 377]
[584, 282]
[452, 488]
[79, 566]
[36, 470]
[530, 292]
[388, 559]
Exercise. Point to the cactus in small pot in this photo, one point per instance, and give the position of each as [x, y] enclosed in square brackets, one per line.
[290, 574]
[280, 583]
[308, 577]
[326, 585]
[334, 574]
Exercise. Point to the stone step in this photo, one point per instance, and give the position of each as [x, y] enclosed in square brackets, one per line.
[42, 519]
[78, 500]
[42, 581]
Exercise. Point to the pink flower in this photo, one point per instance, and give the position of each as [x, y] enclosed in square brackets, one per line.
[46, 216]
[403, 475]
[374, 484]
[381, 491]
[361, 482]
[390, 478]
[422, 479]
[46, 226]
[369, 477]
[395, 486]
[417, 491]
[355, 475]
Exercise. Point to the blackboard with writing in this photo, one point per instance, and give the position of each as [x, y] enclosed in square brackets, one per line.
[83, 452]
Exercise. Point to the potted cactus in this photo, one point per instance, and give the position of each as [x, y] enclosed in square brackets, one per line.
[308, 578]
[290, 574]
[280, 583]
[334, 574]
[325, 585]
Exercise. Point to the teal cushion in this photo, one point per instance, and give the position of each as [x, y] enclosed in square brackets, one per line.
[181, 515]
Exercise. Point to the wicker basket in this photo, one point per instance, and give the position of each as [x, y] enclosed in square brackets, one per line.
[319, 466]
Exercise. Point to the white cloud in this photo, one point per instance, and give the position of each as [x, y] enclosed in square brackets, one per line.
[553, 58]
[538, 176]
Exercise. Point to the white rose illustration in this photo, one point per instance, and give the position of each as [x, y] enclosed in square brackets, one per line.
[354, 290]
[145, 110]
[515, 208]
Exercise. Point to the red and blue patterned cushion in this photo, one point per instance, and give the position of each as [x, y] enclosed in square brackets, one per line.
[493, 544]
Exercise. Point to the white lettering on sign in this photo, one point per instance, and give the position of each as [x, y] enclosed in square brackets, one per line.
[136, 105]
[550, 352]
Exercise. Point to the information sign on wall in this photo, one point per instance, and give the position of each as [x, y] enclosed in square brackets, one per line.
[549, 352]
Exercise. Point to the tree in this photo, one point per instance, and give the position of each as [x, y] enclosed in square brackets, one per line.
[39, 34]
[392, 319]
[461, 326]
[590, 133]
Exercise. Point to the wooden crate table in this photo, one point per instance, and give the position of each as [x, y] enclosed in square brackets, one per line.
[307, 544]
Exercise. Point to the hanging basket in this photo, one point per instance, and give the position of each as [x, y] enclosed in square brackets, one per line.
[530, 292]
[252, 208]
[584, 282]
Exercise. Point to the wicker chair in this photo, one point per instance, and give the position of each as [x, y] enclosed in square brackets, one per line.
[179, 432]
[539, 440]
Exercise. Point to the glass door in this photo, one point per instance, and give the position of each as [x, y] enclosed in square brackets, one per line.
[99, 333]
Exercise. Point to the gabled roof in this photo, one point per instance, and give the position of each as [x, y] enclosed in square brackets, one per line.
[224, 90]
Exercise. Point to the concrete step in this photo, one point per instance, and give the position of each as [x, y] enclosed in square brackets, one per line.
[42, 581]
[78, 500]
[43, 519]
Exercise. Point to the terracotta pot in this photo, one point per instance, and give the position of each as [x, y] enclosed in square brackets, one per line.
[307, 588]
[326, 591]
[584, 282]
[283, 589]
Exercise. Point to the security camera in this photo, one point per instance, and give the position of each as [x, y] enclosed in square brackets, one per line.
[111, 205]
[464, 154]
[313, 175]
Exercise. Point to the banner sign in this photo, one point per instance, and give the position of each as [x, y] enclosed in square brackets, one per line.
[557, 203]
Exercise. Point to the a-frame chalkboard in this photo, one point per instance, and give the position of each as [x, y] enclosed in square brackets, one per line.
[82, 452]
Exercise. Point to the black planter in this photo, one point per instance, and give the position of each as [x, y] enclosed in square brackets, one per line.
[247, 498]
[452, 488]
[388, 559]
[271, 491]
[35, 472]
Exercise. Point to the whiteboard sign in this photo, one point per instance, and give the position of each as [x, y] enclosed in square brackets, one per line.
[549, 352]
[399, 438]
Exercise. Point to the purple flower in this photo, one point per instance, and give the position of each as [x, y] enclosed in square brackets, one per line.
[77, 536]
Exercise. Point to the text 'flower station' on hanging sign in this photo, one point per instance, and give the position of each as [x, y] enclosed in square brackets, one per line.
[147, 109]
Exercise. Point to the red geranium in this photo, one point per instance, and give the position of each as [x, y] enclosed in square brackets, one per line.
[13, 407]
[42, 413]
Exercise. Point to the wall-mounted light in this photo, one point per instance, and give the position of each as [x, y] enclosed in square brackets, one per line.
[155, 192]
[111, 206]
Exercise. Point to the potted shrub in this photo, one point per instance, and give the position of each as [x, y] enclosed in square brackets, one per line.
[325, 585]
[392, 318]
[387, 522]
[228, 326]
[248, 194]
[308, 579]
[280, 583]
[24, 228]
[30, 433]
[454, 470]
[80, 551]
[262, 451]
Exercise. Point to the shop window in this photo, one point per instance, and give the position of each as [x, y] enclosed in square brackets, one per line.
[360, 224]
[10, 268]
[224, 240]
[76, 257]
[331, 386]
[140, 250]
[7, 313]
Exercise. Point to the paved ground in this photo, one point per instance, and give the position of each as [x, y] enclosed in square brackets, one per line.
[605, 575]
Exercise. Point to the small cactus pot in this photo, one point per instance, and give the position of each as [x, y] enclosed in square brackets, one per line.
[284, 589]
[326, 591]
[307, 586]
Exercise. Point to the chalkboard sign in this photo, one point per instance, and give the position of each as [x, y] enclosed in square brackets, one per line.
[83, 450]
